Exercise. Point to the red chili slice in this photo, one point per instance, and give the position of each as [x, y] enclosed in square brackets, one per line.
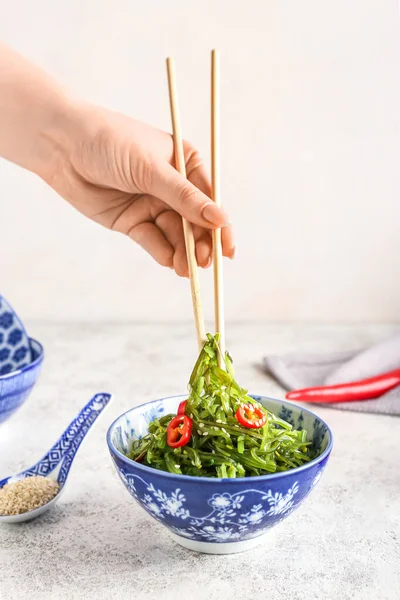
[179, 431]
[182, 407]
[251, 416]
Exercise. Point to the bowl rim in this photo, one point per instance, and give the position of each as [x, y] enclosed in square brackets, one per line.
[211, 480]
[30, 365]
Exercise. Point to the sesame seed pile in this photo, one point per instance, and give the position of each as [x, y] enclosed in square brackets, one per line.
[27, 494]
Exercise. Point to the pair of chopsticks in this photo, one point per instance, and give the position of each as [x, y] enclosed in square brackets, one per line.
[187, 227]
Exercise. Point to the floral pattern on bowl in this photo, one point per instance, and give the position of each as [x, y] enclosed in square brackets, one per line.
[15, 350]
[211, 514]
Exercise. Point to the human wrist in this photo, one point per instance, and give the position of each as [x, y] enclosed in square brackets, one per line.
[35, 115]
[54, 136]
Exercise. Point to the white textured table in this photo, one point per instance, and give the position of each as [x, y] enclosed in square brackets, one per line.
[344, 542]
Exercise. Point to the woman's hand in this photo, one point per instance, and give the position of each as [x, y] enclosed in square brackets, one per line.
[113, 169]
[119, 172]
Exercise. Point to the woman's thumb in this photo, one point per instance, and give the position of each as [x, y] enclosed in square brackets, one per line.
[190, 202]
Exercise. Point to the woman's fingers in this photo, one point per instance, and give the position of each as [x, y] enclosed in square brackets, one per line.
[197, 174]
[164, 238]
[170, 224]
[203, 242]
[228, 242]
[187, 199]
[152, 239]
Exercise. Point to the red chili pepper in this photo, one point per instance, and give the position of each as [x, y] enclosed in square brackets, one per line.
[179, 431]
[250, 416]
[182, 407]
[140, 457]
[366, 389]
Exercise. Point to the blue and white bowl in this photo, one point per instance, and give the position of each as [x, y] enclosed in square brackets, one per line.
[15, 349]
[16, 386]
[217, 516]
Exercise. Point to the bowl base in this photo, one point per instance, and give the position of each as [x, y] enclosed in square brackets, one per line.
[218, 548]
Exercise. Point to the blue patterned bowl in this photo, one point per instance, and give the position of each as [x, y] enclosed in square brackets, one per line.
[17, 385]
[217, 516]
[15, 350]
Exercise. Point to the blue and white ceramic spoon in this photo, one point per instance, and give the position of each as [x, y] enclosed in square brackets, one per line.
[58, 460]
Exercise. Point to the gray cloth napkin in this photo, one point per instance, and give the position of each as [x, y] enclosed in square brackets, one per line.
[295, 371]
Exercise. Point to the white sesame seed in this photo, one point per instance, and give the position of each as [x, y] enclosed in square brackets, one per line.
[201, 424]
[205, 433]
[199, 432]
[177, 466]
[218, 421]
[191, 415]
[27, 494]
[212, 451]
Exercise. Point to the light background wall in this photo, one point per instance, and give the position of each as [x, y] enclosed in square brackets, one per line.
[310, 138]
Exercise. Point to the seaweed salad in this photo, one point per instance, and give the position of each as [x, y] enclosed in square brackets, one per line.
[220, 431]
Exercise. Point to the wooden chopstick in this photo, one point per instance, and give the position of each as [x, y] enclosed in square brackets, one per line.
[216, 196]
[187, 227]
